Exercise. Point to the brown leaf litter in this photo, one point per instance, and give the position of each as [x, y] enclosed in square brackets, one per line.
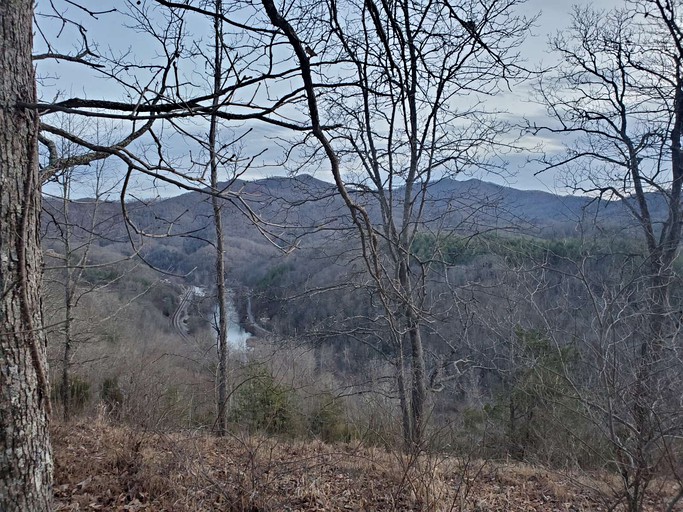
[102, 467]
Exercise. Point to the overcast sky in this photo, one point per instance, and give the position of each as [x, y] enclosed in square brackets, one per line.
[554, 15]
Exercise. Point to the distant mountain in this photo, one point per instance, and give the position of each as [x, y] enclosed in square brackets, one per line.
[286, 208]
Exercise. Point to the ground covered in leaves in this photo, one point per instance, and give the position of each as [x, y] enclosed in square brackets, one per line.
[101, 467]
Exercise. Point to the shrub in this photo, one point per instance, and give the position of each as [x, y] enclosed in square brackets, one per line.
[111, 395]
[263, 404]
[79, 393]
[327, 420]
[536, 415]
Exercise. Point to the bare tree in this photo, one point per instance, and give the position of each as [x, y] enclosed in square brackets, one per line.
[167, 108]
[71, 241]
[391, 81]
[150, 93]
[221, 420]
[71, 234]
[617, 97]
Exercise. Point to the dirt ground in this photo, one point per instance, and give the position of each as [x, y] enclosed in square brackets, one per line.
[102, 467]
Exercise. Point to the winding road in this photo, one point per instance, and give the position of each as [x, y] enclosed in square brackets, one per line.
[180, 314]
[255, 328]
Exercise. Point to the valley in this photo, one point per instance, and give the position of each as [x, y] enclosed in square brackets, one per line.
[510, 334]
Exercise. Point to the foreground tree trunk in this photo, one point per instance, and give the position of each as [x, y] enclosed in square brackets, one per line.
[25, 454]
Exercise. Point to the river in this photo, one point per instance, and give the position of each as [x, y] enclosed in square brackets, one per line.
[237, 337]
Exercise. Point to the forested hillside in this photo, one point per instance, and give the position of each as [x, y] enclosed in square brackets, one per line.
[519, 303]
[331, 277]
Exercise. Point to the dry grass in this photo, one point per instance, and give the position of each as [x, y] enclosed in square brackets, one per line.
[101, 467]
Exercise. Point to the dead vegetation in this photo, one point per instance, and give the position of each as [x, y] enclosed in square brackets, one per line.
[102, 467]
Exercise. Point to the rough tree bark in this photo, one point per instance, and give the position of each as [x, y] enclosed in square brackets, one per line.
[25, 454]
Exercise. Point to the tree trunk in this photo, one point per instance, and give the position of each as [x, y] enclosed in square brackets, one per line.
[67, 274]
[25, 454]
[222, 331]
[419, 383]
[406, 421]
[418, 375]
[221, 419]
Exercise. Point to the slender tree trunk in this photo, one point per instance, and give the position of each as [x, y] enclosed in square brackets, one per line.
[221, 419]
[25, 454]
[403, 399]
[419, 384]
[639, 475]
[66, 355]
[418, 376]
